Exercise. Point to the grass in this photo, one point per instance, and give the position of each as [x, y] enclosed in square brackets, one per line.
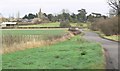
[21, 35]
[13, 40]
[34, 32]
[81, 25]
[112, 37]
[56, 24]
[75, 53]
[73, 24]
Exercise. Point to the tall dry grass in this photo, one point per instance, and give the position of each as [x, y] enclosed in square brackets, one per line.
[11, 43]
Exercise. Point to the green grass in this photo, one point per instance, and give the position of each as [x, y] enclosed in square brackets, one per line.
[113, 37]
[75, 53]
[34, 32]
[82, 25]
[56, 24]
[10, 37]
[73, 24]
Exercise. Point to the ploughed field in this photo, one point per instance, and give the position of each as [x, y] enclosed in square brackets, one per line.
[72, 53]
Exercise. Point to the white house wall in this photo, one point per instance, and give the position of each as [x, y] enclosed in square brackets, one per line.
[3, 25]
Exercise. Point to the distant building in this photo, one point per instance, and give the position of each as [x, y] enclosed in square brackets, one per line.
[26, 20]
[8, 24]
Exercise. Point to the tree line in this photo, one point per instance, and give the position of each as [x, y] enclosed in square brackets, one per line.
[81, 16]
[109, 26]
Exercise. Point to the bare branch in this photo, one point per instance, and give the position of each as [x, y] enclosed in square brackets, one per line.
[112, 6]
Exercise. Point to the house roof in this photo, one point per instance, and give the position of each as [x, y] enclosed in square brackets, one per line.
[9, 23]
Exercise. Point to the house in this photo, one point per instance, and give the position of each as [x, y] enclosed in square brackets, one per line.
[8, 24]
[26, 20]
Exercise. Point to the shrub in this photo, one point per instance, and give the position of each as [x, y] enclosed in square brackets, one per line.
[107, 26]
[65, 24]
[94, 25]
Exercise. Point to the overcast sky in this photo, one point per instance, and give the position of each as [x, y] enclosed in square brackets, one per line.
[11, 7]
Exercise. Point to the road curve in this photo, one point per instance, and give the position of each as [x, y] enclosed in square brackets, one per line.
[111, 48]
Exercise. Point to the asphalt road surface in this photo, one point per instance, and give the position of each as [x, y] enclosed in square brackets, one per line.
[110, 47]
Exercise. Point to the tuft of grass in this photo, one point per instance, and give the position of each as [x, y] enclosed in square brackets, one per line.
[70, 54]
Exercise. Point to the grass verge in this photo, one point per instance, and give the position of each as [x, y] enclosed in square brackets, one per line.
[112, 37]
[75, 53]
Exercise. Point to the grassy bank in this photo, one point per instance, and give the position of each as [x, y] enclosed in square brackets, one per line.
[75, 53]
[39, 34]
[13, 40]
[112, 37]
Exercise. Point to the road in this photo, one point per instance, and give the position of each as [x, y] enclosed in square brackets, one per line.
[111, 48]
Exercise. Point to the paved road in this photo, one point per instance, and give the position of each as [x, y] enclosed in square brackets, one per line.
[111, 48]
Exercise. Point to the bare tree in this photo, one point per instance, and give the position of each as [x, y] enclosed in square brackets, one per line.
[115, 4]
[112, 13]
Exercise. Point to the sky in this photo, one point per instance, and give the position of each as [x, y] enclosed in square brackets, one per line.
[12, 7]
